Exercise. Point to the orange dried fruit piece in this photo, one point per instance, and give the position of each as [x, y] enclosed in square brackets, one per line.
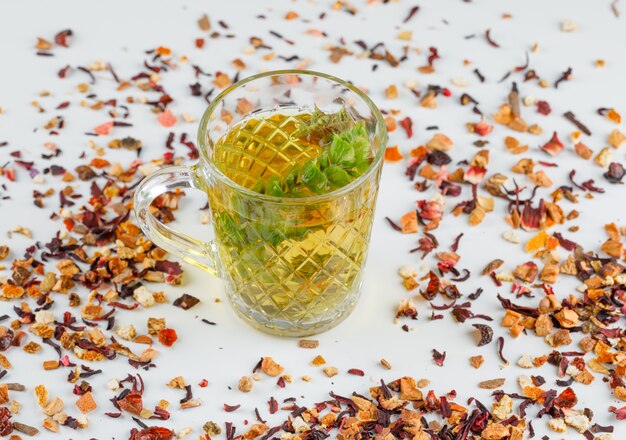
[11, 291]
[270, 367]
[390, 123]
[552, 243]
[616, 138]
[167, 119]
[583, 150]
[408, 222]
[613, 231]
[167, 337]
[419, 152]
[392, 154]
[533, 393]
[99, 163]
[537, 242]
[613, 116]
[318, 360]
[567, 399]
[410, 283]
[514, 146]
[163, 51]
[511, 318]
[86, 403]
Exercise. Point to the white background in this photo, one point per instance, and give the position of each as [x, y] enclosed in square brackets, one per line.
[119, 31]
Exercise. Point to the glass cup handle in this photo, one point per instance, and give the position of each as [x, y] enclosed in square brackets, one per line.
[188, 248]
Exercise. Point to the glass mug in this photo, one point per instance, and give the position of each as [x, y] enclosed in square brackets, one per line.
[291, 266]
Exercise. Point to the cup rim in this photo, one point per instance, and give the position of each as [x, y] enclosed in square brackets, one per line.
[217, 173]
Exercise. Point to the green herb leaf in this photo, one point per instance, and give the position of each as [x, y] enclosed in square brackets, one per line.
[341, 152]
[291, 179]
[274, 188]
[231, 232]
[259, 187]
[313, 177]
[337, 176]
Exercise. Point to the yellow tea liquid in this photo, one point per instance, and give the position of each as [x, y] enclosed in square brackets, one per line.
[286, 261]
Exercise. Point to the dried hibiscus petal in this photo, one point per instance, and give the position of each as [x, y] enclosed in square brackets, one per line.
[438, 157]
[152, 433]
[532, 218]
[429, 210]
[450, 189]
[132, 403]
[6, 427]
[433, 287]
[407, 124]
[231, 408]
[543, 108]
[426, 245]
[62, 38]
[615, 174]
[486, 334]
[439, 358]
[620, 413]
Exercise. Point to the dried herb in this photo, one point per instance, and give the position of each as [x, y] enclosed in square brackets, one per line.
[62, 38]
[565, 76]
[486, 334]
[489, 39]
[393, 224]
[439, 358]
[185, 301]
[615, 173]
[411, 13]
[500, 349]
[572, 118]
[231, 408]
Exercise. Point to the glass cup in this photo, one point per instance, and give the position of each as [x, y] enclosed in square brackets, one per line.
[291, 266]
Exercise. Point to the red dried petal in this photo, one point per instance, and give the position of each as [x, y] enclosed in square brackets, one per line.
[474, 175]
[429, 210]
[433, 287]
[532, 218]
[483, 128]
[439, 358]
[554, 146]
[620, 413]
[132, 403]
[231, 408]
[543, 108]
[152, 433]
[407, 124]
[63, 37]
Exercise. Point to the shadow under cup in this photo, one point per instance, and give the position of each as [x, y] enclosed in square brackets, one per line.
[291, 266]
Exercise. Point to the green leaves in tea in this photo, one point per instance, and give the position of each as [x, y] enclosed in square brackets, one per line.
[337, 176]
[344, 159]
[313, 178]
[322, 126]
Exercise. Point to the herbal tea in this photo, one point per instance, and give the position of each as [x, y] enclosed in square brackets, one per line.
[293, 262]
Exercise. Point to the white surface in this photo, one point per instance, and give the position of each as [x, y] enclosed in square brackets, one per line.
[118, 31]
